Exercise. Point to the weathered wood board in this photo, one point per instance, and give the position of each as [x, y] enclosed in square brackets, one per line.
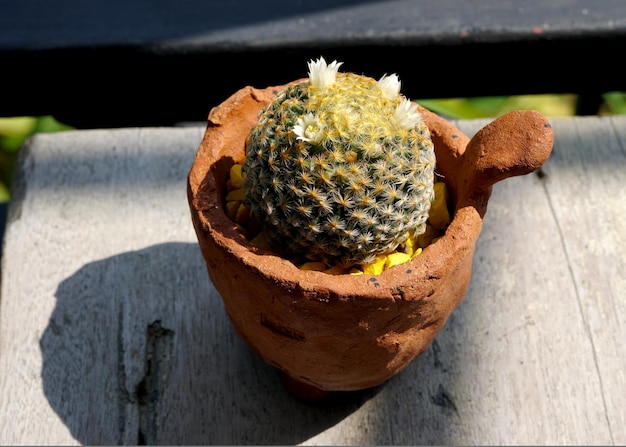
[111, 333]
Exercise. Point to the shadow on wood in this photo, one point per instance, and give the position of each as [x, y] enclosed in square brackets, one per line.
[134, 354]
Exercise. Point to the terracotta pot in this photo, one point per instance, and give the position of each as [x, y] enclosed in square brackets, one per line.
[345, 332]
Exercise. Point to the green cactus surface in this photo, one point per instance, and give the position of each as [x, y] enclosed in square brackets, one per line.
[340, 167]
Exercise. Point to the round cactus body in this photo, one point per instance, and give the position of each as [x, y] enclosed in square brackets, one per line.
[340, 167]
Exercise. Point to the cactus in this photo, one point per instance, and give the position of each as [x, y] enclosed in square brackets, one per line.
[339, 167]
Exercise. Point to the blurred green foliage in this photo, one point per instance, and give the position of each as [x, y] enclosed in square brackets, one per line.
[494, 106]
[15, 130]
[614, 103]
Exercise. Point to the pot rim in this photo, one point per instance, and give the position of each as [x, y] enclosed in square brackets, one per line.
[205, 194]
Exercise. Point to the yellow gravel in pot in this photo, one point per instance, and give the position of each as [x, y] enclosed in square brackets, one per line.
[438, 220]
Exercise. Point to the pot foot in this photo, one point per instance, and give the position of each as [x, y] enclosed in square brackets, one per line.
[300, 390]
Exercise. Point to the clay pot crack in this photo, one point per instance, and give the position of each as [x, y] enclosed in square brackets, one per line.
[281, 329]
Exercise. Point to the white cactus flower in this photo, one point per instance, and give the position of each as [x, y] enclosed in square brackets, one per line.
[309, 129]
[390, 85]
[322, 75]
[406, 115]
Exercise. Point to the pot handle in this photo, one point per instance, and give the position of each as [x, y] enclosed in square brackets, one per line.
[516, 143]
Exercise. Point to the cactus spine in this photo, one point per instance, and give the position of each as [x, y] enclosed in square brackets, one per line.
[340, 167]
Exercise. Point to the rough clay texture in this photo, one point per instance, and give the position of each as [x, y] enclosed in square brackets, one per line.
[341, 333]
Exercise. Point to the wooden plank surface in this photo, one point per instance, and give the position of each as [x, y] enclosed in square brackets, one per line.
[110, 331]
[175, 46]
